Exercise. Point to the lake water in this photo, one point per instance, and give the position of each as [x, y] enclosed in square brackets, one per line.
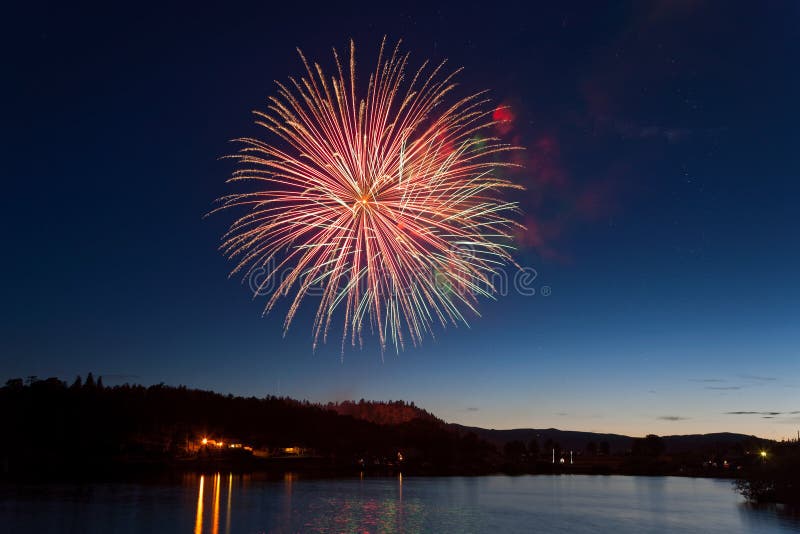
[224, 503]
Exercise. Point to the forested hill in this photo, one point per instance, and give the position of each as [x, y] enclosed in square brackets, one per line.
[607, 443]
[55, 425]
[382, 413]
[52, 425]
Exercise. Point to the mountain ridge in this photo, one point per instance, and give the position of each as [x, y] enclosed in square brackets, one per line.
[398, 412]
[578, 440]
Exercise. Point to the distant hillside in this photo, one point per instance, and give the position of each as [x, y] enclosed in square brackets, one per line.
[382, 413]
[399, 412]
[689, 442]
[617, 443]
[87, 427]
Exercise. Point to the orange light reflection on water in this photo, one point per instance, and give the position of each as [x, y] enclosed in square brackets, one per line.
[215, 519]
[344, 513]
[198, 521]
[228, 510]
[216, 495]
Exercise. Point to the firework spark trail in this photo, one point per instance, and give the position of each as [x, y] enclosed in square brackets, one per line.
[387, 203]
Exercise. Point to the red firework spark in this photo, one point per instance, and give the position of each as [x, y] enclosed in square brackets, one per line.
[388, 205]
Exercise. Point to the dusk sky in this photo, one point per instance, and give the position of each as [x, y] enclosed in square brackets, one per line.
[662, 180]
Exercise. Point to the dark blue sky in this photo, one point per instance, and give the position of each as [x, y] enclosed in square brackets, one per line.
[662, 186]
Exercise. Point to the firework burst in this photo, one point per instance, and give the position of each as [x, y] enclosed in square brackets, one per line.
[385, 207]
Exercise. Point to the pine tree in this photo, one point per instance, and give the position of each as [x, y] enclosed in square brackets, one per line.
[533, 449]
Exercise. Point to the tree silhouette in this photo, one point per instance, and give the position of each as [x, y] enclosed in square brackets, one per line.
[15, 384]
[533, 449]
[514, 450]
[650, 446]
[54, 428]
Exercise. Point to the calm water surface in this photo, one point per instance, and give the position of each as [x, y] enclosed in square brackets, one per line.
[225, 503]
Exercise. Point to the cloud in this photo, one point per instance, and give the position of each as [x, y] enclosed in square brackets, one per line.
[672, 418]
[759, 378]
[630, 129]
[770, 414]
[707, 380]
[724, 388]
[472, 409]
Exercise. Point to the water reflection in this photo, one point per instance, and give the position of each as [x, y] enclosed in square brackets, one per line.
[762, 516]
[198, 522]
[290, 503]
[371, 509]
[625, 504]
[224, 502]
[376, 505]
[228, 511]
[215, 520]
[213, 527]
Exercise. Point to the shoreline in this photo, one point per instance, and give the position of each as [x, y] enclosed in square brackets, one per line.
[318, 467]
